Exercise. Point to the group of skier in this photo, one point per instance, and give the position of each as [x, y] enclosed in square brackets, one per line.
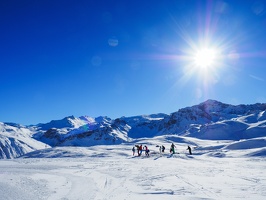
[172, 149]
[140, 148]
[161, 149]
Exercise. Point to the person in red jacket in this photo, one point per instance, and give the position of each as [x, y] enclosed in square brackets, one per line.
[140, 150]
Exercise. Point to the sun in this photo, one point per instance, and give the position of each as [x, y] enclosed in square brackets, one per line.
[203, 63]
[205, 57]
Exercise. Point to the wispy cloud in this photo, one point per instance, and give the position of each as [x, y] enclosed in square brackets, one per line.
[256, 77]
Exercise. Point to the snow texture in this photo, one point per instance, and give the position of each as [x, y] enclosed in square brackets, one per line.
[111, 172]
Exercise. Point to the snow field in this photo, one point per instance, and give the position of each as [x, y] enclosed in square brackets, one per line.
[111, 172]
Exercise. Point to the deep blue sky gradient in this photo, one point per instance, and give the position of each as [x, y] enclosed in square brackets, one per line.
[126, 58]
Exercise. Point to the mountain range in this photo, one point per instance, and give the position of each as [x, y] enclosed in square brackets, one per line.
[210, 120]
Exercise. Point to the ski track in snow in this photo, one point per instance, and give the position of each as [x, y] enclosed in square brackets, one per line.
[115, 174]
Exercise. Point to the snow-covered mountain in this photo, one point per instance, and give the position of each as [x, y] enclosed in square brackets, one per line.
[216, 120]
[210, 120]
[16, 140]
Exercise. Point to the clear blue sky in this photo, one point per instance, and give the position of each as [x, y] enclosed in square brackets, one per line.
[126, 58]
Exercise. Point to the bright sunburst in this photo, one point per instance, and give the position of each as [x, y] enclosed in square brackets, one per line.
[203, 63]
[205, 57]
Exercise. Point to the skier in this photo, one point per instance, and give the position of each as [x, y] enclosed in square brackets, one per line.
[172, 148]
[133, 151]
[163, 148]
[140, 150]
[147, 151]
[160, 150]
[189, 149]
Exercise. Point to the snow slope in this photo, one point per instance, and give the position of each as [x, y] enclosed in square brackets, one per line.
[111, 172]
[16, 140]
[210, 120]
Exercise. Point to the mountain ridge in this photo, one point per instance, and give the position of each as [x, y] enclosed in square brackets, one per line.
[211, 120]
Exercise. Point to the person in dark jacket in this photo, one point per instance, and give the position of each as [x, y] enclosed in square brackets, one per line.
[189, 149]
[147, 151]
[163, 148]
[133, 151]
[172, 148]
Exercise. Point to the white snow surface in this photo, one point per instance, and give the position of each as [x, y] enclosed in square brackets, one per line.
[216, 170]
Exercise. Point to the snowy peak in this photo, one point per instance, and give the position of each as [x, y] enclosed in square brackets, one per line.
[213, 111]
[67, 122]
[216, 120]
[213, 106]
[210, 106]
[14, 130]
